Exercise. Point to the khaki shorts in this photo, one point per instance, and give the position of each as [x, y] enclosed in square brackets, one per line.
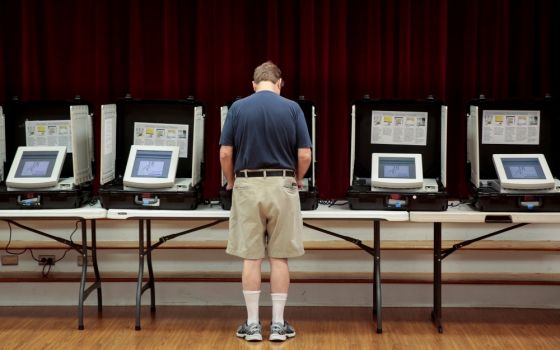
[265, 218]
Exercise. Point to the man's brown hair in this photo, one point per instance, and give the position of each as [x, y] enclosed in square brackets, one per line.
[267, 71]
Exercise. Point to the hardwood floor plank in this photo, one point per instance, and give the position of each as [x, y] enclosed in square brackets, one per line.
[213, 327]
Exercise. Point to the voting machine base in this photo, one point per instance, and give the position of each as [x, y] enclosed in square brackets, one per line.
[309, 200]
[44, 199]
[113, 196]
[488, 199]
[362, 198]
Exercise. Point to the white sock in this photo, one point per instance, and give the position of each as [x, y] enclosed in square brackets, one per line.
[252, 304]
[278, 303]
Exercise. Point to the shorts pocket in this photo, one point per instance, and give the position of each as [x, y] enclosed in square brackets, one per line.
[240, 185]
[290, 186]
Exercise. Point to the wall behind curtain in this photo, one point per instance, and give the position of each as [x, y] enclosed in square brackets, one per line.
[331, 52]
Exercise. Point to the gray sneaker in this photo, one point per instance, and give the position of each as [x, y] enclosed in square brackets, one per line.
[280, 332]
[251, 332]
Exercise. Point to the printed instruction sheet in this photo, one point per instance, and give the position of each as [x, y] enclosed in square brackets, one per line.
[399, 128]
[511, 127]
[159, 134]
[49, 133]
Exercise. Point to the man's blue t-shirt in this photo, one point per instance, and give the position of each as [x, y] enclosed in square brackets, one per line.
[265, 130]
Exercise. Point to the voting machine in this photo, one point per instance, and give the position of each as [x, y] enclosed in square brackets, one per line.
[47, 154]
[151, 154]
[398, 155]
[512, 155]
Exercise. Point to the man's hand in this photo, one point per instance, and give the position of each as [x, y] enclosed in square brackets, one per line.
[304, 161]
[226, 161]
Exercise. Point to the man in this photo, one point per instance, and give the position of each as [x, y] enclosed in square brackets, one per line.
[265, 152]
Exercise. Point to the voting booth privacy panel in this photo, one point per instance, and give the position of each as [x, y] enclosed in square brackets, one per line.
[47, 154]
[151, 154]
[398, 155]
[309, 195]
[513, 155]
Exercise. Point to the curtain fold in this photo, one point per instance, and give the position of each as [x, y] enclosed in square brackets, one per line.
[331, 52]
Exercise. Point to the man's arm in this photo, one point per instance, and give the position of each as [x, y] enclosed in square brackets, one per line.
[226, 161]
[304, 160]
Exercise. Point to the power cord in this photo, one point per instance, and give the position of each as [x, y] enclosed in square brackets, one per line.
[7, 247]
[73, 232]
[93, 201]
[454, 204]
[48, 263]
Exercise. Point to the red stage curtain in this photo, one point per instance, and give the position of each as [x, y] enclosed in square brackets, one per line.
[331, 52]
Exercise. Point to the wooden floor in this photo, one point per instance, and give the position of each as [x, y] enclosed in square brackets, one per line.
[212, 327]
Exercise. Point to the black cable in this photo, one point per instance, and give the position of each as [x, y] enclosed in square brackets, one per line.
[67, 250]
[48, 267]
[73, 232]
[63, 255]
[7, 248]
[464, 201]
[332, 202]
[93, 201]
[33, 256]
[46, 263]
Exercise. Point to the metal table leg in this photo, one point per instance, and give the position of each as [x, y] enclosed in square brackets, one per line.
[377, 273]
[141, 252]
[96, 285]
[436, 312]
[151, 281]
[82, 249]
[95, 266]
[83, 276]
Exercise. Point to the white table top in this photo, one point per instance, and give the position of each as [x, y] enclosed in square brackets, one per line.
[86, 212]
[467, 214]
[215, 212]
[202, 212]
[344, 212]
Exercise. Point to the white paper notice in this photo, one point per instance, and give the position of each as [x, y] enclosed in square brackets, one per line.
[511, 127]
[399, 128]
[49, 133]
[108, 137]
[163, 135]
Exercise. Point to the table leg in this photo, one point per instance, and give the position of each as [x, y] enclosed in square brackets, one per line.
[141, 252]
[151, 282]
[96, 266]
[83, 276]
[436, 312]
[377, 273]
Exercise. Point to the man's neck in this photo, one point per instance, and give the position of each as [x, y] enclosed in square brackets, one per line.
[266, 86]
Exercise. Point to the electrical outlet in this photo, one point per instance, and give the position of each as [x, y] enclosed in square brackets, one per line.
[9, 259]
[81, 260]
[47, 259]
